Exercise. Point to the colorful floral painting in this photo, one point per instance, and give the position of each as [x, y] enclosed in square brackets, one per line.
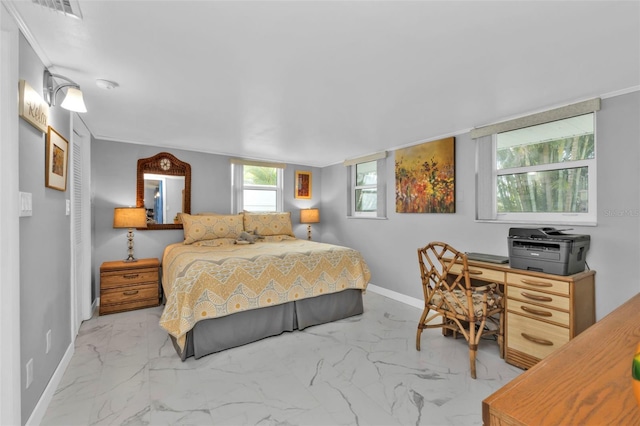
[425, 178]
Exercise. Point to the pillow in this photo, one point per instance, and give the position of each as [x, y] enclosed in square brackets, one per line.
[210, 227]
[268, 223]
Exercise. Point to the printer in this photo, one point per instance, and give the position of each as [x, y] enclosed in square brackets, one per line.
[547, 250]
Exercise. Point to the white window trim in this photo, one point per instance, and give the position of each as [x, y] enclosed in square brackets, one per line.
[486, 172]
[381, 187]
[238, 186]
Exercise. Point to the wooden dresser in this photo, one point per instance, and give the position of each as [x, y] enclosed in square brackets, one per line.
[125, 286]
[542, 311]
[586, 382]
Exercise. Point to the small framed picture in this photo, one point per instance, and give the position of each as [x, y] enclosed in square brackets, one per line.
[303, 185]
[56, 161]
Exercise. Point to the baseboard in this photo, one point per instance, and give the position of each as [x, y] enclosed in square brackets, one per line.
[41, 407]
[411, 301]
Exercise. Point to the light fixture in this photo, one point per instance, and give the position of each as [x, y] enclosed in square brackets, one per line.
[309, 216]
[106, 84]
[73, 101]
[130, 217]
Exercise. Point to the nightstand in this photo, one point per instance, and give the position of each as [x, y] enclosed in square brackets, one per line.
[125, 286]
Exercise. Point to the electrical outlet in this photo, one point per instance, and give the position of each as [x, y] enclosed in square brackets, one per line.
[29, 372]
[48, 341]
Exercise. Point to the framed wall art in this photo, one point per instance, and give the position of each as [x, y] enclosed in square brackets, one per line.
[425, 178]
[56, 161]
[303, 185]
[32, 108]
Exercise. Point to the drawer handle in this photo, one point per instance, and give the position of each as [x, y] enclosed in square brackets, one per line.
[536, 283]
[131, 276]
[544, 342]
[536, 297]
[130, 292]
[475, 272]
[535, 311]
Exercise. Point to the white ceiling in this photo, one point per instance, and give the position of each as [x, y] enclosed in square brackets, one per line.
[314, 83]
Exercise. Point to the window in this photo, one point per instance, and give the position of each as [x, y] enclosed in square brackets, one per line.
[542, 173]
[256, 186]
[366, 190]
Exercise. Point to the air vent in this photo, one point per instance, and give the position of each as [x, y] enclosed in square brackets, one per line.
[66, 7]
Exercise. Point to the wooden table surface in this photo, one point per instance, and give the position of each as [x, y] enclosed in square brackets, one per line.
[585, 382]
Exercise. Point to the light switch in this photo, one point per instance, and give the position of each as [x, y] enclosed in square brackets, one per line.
[68, 207]
[25, 204]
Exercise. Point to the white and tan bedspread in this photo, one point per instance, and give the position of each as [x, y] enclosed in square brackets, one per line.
[210, 282]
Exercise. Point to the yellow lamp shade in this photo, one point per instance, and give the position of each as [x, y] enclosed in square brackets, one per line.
[309, 216]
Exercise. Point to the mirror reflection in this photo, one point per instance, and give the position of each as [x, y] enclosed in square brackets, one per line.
[163, 198]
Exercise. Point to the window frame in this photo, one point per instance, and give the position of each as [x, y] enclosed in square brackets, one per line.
[487, 175]
[238, 186]
[380, 186]
[356, 187]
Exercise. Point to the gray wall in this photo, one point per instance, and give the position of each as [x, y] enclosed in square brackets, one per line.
[113, 177]
[389, 246]
[45, 260]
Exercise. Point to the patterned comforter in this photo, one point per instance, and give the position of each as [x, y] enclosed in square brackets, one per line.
[209, 282]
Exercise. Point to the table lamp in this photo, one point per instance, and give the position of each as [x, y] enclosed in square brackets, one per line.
[309, 216]
[130, 217]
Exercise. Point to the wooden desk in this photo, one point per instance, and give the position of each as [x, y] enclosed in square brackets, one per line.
[586, 382]
[542, 311]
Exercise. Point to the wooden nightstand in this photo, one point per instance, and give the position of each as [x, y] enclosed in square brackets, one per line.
[125, 286]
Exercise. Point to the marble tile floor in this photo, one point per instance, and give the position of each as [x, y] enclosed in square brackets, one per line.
[363, 370]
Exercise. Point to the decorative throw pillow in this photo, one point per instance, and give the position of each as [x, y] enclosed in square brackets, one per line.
[276, 223]
[210, 227]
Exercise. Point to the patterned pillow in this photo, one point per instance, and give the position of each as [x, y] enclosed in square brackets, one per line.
[265, 224]
[210, 227]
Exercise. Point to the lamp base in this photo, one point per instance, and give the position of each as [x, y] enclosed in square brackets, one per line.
[130, 258]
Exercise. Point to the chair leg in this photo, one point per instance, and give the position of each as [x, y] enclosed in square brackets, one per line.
[421, 327]
[473, 349]
[501, 336]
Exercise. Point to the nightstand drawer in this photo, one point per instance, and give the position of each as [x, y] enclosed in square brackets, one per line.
[120, 278]
[130, 294]
[533, 337]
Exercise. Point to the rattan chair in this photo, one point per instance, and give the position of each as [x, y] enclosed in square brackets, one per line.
[472, 311]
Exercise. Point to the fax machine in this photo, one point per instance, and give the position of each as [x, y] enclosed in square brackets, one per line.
[547, 250]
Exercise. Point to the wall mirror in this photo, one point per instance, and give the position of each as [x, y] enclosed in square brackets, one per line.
[164, 190]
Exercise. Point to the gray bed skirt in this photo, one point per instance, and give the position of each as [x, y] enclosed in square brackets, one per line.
[218, 334]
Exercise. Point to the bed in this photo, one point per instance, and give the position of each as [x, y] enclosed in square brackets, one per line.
[221, 294]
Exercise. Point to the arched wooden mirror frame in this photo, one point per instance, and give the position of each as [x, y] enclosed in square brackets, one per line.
[176, 168]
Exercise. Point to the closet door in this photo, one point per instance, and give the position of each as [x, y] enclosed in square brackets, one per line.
[81, 302]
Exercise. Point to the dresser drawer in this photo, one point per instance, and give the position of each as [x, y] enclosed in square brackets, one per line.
[561, 318]
[536, 283]
[534, 337]
[538, 298]
[129, 294]
[479, 273]
[119, 278]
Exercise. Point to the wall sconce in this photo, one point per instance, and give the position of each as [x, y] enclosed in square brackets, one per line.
[73, 100]
[309, 216]
[130, 217]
